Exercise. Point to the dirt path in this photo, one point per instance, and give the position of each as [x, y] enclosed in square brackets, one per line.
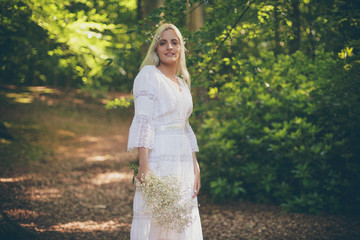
[86, 196]
[82, 189]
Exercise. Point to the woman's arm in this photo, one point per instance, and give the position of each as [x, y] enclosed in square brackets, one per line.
[144, 168]
[145, 91]
[197, 181]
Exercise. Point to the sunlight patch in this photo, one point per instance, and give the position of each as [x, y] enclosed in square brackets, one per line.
[43, 89]
[5, 141]
[65, 133]
[104, 178]
[88, 226]
[33, 226]
[78, 101]
[99, 158]
[44, 194]
[18, 213]
[89, 139]
[20, 97]
[15, 179]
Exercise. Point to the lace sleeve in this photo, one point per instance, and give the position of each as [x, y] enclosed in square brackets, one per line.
[141, 133]
[191, 137]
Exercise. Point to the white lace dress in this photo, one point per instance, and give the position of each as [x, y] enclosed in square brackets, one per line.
[161, 124]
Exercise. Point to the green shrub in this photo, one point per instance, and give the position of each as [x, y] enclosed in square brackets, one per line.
[283, 130]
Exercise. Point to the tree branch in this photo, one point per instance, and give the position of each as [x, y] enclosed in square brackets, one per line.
[192, 9]
[234, 25]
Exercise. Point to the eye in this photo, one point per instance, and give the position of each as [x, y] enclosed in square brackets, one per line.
[175, 42]
[162, 43]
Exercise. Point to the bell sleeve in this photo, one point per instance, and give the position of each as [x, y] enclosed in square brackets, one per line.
[141, 133]
[191, 137]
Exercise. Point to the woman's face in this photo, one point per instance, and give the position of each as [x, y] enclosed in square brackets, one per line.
[169, 48]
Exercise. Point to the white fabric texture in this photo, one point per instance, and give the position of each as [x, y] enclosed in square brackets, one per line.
[159, 103]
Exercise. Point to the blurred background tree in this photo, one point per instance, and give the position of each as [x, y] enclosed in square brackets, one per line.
[69, 43]
[274, 82]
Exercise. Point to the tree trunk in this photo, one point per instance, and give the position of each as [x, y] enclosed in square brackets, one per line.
[195, 16]
[276, 30]
[149, 5]
[139, 10]
[311, 36]
[194, 21]
[294, 44]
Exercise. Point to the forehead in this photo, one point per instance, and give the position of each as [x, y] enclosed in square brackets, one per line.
[168, 34]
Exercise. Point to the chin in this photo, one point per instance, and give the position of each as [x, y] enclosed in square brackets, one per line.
[169, 62]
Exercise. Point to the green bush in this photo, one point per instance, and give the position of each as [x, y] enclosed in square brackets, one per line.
[283, 130]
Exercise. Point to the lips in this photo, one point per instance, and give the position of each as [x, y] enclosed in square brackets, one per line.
[169, 54]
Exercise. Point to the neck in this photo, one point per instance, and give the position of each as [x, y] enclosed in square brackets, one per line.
[169, 70]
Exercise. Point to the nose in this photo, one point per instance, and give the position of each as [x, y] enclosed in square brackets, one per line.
[170, 46]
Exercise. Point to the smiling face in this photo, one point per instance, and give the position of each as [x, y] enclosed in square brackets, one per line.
[169, 48]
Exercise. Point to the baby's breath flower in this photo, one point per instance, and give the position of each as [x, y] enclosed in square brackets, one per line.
[164, 198]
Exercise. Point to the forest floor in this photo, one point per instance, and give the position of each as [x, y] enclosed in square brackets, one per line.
[64, 175]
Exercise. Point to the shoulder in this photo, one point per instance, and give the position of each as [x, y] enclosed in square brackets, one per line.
[148, 70]
[146, 74]
[146, 78]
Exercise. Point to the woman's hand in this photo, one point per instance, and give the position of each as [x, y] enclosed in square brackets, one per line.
[143, 170]
[197, 181]
[144, 167]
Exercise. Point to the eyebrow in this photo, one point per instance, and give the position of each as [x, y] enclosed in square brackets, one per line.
[163, 39]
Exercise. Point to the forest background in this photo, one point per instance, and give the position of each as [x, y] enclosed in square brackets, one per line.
[275, 84]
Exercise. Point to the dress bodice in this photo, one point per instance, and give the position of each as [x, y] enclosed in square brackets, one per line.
[177, 103]
[159, 102]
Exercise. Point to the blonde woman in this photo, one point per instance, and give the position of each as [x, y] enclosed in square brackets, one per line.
[160, 130]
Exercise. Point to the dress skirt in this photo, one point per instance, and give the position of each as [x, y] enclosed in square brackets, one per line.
[171, 155]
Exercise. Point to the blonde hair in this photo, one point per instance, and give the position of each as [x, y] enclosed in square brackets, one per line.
[152, 58]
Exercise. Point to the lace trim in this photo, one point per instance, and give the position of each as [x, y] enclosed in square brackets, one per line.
[191, 137]
[141, 133]
[171, 158]
[145, 93]
[170, 131]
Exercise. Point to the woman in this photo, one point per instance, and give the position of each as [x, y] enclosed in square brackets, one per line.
[161, 132]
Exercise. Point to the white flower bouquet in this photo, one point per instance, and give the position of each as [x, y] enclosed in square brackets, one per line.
[164, 198]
